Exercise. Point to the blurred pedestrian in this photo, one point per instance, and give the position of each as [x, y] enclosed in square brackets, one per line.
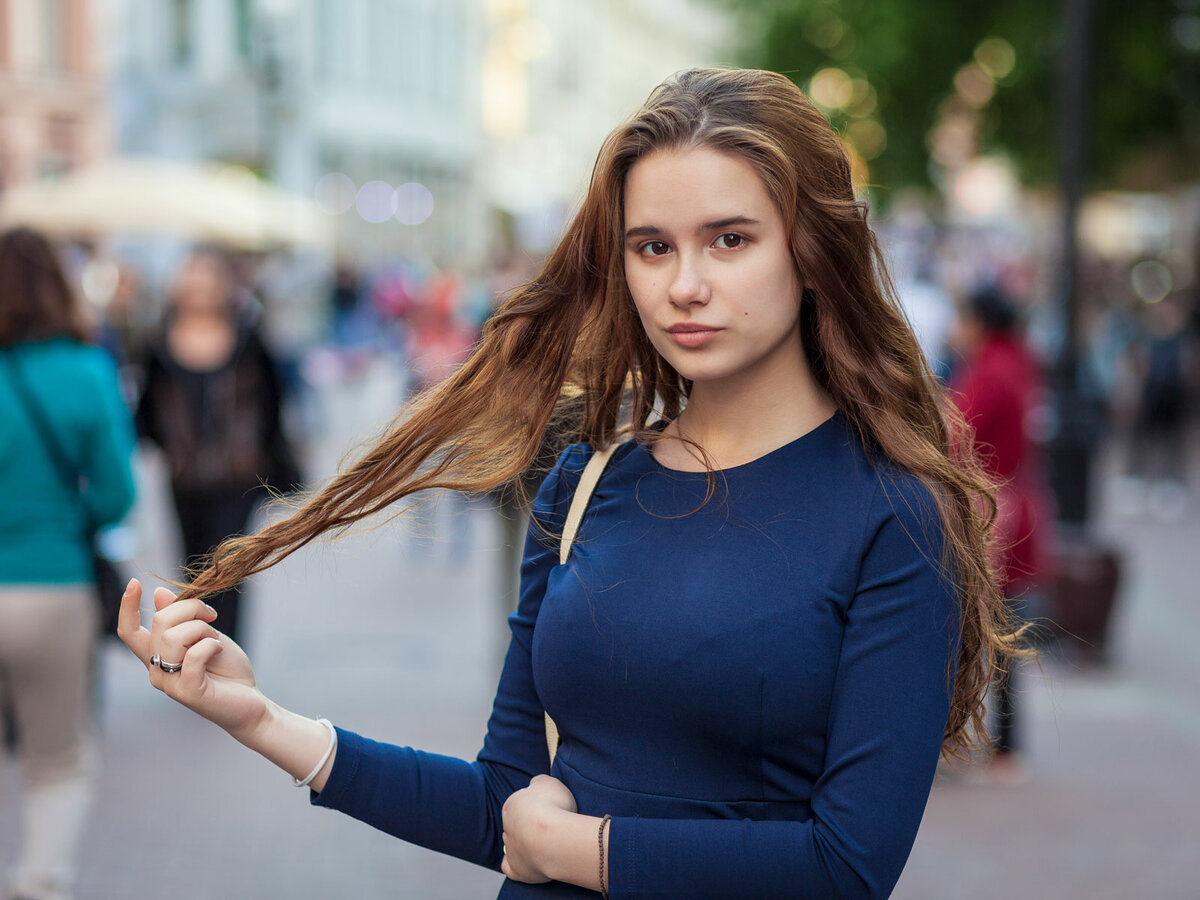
[212, 401]
[441, 337]
[66, 441]
[998, 388]
[779, 608]
[1161, 358]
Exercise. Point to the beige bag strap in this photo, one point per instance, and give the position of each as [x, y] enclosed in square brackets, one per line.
[583, 493]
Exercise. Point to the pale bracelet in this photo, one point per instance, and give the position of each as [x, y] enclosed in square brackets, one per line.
[324, 759]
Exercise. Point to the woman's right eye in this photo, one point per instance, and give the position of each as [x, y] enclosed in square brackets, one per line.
[653, 248]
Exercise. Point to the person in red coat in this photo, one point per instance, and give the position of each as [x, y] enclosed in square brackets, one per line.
[998, 388]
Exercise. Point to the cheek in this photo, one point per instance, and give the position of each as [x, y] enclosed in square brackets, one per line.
[641, 289]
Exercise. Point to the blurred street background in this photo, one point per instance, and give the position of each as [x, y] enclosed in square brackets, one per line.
[380, 172]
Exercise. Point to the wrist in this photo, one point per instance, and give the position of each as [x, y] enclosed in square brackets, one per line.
[571, 851]
[256, 732]
[293, 742]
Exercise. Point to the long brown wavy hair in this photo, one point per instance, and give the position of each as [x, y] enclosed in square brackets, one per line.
[573, 332]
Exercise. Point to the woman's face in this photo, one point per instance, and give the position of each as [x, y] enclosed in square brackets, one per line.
[203, 287]
[709, 265]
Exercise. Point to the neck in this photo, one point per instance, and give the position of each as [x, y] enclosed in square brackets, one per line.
[737, 421]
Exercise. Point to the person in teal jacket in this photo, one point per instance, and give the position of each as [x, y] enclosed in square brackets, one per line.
[48, 611]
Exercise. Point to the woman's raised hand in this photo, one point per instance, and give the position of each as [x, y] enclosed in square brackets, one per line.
[216, 679]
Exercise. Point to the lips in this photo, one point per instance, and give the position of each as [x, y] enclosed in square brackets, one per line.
[692, 336]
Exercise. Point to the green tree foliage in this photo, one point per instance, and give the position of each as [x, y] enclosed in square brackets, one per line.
[1145, 78]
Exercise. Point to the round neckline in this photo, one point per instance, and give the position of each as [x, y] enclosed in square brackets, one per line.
[662, 423]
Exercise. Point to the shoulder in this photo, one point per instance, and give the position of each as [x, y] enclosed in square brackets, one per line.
[67, 360]
[903, 518]
[97, 366]
[561, 482]
[553, 499]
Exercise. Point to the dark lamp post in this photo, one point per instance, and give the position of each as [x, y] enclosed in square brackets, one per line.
[1071, 449]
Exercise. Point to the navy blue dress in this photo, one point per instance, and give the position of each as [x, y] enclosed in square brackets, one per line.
[755, 686]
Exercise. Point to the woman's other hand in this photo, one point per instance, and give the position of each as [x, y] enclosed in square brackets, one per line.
[216, 681]
[533, 824]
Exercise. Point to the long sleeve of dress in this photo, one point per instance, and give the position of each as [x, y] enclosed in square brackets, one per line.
[447, 804]
[888, 713]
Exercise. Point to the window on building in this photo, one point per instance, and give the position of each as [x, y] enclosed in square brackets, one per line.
[5, 12]
[383, 60]
[243, 25]
[180, 33]
[450, 57]
[332, 52]
[54, 34]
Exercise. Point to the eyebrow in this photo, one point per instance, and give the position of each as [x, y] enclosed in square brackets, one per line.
[654, 230]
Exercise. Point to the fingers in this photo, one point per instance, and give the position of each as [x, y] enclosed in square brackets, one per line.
[163, 598]
[129, 622]
[175, 646]
[195, 663]
[176, 641]
[505, 864]
[174, 612]
[177, 625]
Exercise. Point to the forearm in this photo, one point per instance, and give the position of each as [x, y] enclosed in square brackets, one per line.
[293, 742]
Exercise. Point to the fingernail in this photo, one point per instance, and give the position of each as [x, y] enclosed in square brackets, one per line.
[132, 582]
[210, 609]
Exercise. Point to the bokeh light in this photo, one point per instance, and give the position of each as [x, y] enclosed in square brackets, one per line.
[1151, 280]
[996, 57]
[376, 201]
[864, 100]
[869, 138]
[832, 88]
[335, 192]
[414, 203]
[825, 31]
[98, 280]
[974, 85]
[987, 188]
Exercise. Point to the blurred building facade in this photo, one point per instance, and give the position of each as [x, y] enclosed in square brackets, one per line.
[421, 124]
[558, 76]
[382, 94]
[53, 111]
[439, 129]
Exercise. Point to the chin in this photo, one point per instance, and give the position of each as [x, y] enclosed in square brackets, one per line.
[700, 374]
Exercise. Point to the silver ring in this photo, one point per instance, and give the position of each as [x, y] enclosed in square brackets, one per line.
[156, 660]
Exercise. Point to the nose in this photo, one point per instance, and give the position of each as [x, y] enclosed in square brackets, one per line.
[688, 285]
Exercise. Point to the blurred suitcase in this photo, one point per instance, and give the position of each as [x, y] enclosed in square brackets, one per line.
[1084, 595]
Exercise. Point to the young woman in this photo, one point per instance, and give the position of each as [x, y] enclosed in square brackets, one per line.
[66, 442]
[212, 402]
[778, 608]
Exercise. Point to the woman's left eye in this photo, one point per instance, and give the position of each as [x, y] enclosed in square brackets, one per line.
[729, 241]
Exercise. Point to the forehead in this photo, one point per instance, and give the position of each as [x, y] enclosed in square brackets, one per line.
[697, 184]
